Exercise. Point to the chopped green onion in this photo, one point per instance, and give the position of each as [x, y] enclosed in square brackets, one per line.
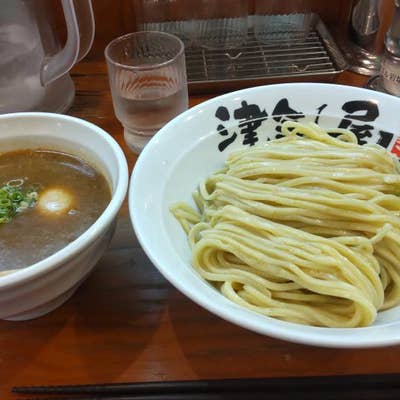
[5, 202]
[14, 183]
[16, 196]
[15, 199]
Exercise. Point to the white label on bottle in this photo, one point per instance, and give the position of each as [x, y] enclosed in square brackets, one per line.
[390, 74]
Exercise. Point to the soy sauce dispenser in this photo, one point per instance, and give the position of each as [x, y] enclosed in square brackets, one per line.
[390, 66]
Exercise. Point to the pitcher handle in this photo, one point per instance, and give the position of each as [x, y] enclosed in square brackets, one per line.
[79, 20]
[85, 17]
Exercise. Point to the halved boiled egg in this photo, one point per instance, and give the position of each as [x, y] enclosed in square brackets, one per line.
[55, 201]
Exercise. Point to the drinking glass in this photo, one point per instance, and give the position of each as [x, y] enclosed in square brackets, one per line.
[282, 20]
[147, 75]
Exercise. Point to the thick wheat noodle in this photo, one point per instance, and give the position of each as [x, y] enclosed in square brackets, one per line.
[305, 228]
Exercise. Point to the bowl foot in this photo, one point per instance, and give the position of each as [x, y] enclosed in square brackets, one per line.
[43, 308]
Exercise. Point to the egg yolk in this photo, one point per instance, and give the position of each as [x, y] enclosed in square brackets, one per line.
[55, 201]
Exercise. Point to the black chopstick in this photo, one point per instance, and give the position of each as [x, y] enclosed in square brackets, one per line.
[210, 389]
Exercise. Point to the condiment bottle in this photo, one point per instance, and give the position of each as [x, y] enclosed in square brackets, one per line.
[390, 67]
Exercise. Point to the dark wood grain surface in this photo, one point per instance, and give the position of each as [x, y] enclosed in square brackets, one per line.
[127, 323]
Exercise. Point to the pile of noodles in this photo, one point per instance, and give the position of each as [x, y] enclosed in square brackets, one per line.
[305, 228]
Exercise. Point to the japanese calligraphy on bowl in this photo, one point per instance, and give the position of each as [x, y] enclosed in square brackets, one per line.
[196, 143]
[358, 116]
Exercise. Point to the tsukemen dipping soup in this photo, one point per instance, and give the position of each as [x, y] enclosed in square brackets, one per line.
[47, 199]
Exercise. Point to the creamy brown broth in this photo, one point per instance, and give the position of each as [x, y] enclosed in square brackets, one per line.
[33, 234]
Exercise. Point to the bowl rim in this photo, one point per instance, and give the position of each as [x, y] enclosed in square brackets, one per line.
[58, 258]
[288, 332]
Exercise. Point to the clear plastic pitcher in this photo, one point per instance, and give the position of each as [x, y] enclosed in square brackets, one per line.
[283, 20]
[221, 24]
[33, 66]
[170, 16]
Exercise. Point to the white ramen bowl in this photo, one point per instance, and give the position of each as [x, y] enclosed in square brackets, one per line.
[45, 285]
[196, 143]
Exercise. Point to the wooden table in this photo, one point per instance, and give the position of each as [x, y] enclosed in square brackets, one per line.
[127, 323]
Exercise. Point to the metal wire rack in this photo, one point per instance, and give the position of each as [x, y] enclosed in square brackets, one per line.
[316, 57]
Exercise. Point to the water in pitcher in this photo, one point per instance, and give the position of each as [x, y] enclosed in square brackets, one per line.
[21, 56]
[144, 111]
